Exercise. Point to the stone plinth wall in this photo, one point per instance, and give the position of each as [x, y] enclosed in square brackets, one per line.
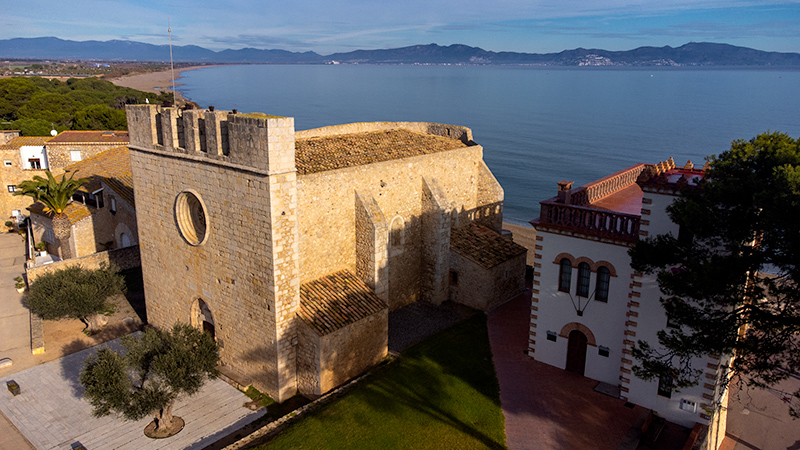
[351, 350]
[325, 362]
[327, 213]
[124, 258]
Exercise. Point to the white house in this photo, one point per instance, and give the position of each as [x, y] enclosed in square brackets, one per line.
[589, 306]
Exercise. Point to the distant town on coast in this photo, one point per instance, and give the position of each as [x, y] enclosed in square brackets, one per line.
[692, 54]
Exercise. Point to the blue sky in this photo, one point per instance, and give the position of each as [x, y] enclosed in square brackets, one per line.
[325, 26]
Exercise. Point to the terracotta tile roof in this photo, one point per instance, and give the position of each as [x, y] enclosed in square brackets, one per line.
[17, 142]
[112, 167]
[319, 154]
[91, 137]
[335, 301]
[482, 245]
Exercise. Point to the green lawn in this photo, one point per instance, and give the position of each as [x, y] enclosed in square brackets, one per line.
[441, 394]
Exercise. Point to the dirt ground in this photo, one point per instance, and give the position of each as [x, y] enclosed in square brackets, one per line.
[63, 337]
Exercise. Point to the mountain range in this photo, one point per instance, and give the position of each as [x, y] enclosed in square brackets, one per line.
[691, 54]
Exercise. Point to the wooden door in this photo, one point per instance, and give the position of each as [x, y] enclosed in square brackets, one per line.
[576, 352]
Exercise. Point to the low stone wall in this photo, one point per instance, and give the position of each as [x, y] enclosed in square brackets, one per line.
[124, 258]
[463, 134]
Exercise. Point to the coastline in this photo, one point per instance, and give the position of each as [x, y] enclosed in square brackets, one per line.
[156, 81]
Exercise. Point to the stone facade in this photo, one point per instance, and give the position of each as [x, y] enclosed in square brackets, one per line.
[70, 147]
[54, 153]
[239, 213]
[14, 170]
[104, 221]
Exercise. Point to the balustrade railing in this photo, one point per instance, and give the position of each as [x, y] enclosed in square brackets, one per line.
[591, 221]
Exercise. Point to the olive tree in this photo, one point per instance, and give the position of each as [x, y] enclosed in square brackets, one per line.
[76, 293]
[156, 368]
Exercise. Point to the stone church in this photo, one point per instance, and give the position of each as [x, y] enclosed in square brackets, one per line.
[291, 247]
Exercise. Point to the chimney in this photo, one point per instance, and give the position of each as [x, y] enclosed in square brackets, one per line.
[565, 191]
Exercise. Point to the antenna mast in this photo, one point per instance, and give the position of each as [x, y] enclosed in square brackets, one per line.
[171, 64]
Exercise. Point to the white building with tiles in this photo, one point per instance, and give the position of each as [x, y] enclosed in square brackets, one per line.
[589, 306]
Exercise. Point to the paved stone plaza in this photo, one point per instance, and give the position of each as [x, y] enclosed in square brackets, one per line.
[51, 413]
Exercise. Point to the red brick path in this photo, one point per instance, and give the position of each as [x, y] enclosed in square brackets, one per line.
[547, 408]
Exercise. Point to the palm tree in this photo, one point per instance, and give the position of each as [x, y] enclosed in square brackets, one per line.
[55, 195]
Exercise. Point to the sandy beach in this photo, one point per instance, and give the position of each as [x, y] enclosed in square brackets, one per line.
[154, 81]
[524, 236]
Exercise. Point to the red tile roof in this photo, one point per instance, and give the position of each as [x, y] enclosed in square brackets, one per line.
[483, 245]
[335, 301]
[90, 137]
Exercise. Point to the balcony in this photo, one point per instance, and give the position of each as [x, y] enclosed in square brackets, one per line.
[603, 224]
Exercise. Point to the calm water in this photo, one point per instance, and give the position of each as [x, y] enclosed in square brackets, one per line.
[537, 125]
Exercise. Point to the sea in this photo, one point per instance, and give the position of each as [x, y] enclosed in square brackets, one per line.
[537, 125]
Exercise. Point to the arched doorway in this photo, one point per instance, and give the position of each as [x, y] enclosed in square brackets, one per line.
[202, 317]
[126, 241]
[576, 352]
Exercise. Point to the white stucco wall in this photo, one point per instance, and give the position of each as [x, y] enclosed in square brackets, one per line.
[27, 152]
[606, 320]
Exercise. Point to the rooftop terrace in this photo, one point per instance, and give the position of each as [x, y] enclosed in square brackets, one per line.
[610, 208]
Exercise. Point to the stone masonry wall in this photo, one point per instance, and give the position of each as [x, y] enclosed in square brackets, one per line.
[59, 156]
[13, 176]
[508, 280]
[485, 289]
[490, 197]
[351, 350]
[327, 217]
[435, 242]
[372, 234]
[246, 269]
[124, 258]
[473, 285]
[308, 360]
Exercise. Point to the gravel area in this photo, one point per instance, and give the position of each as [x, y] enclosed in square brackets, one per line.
[413, 323]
